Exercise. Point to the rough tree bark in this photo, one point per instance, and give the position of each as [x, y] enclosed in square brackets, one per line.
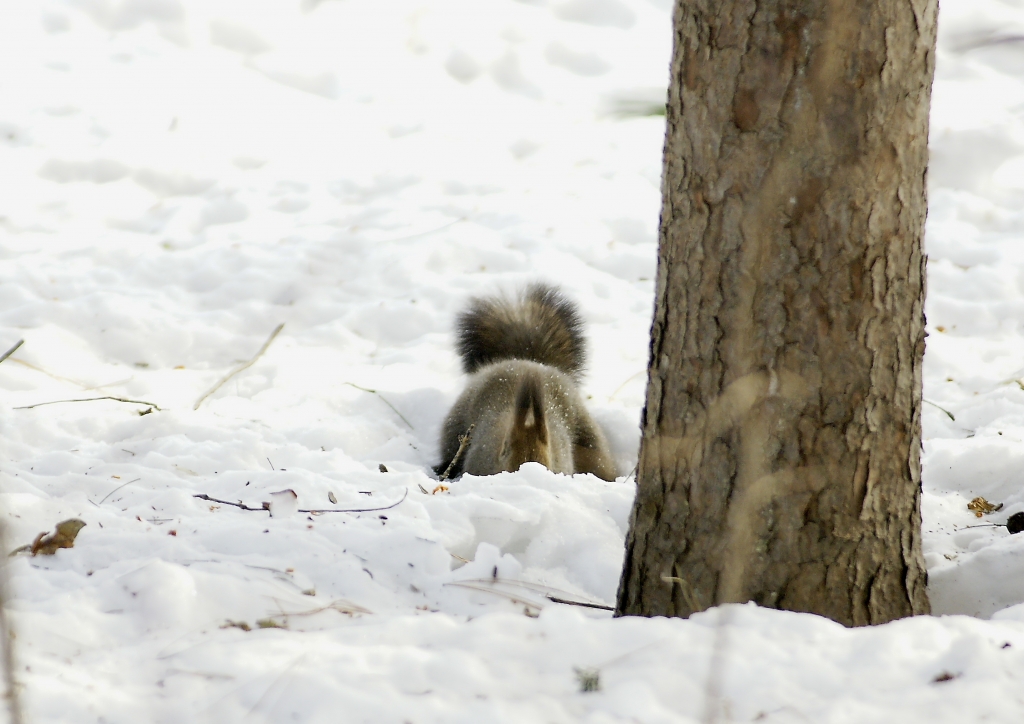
[780, 456]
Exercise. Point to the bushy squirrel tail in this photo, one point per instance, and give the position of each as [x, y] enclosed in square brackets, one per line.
[541, 325]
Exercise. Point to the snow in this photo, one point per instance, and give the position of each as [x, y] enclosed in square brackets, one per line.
[182, 176]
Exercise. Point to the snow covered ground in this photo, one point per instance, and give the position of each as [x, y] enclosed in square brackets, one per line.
[179, 177]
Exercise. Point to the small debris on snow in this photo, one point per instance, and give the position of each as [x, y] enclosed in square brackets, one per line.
[63, 537]
[979, 506]
[588, 679]
[283, 503]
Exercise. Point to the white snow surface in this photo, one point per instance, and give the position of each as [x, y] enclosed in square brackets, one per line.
[179, 177]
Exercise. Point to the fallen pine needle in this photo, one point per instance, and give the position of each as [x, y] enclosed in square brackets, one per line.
[502, 594]
[357, 510]
[546, 591]
[938, 407]
[567, 602]
[340, 605]
[92, 399]
[382, 399]
[118, 488]
[239, 368]
[484, 586]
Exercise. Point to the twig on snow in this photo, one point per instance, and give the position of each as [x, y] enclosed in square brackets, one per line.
[51, 375]
[488, 584]
[239, 368]
[598, 606]
[12, 350]
[274, 685]
[423, 233]
[628, 380]
[502, 594]
[115, 490]
[374, 392]
[92, 399]
[340, 605]
[948, 413]
[463, 443]
[316, 511]
[357, 510]
[540, 588]
[243, 506]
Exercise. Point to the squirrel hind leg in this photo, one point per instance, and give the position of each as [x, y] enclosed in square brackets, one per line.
[590, 451]
[529, 438]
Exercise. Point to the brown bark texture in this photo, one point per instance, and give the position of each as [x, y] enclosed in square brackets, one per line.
[780, 451]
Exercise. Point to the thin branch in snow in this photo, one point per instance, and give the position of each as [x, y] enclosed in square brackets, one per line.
[239, 368]
[86, 386]
[340, 605]
[93, 399]
[314, 511]
[357, 510]
[628, 380]
[547, 591]
[77, 383]
[274, 685]
[622, 657]
[463, 444]
[567, 602]
[374, 392]
[115, 490]
[243, 506]
[503, 594]
[950, 414]
[512, 582]
[424, 233]
[12, 350]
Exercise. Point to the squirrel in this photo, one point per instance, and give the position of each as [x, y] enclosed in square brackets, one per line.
[525, 357]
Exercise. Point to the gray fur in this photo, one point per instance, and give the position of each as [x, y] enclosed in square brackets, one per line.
[523, 354]
[540, 325]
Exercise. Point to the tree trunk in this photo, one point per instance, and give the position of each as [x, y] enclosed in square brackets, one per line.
[780, 457]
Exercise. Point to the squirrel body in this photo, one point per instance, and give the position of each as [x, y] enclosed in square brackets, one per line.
[522, 402]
